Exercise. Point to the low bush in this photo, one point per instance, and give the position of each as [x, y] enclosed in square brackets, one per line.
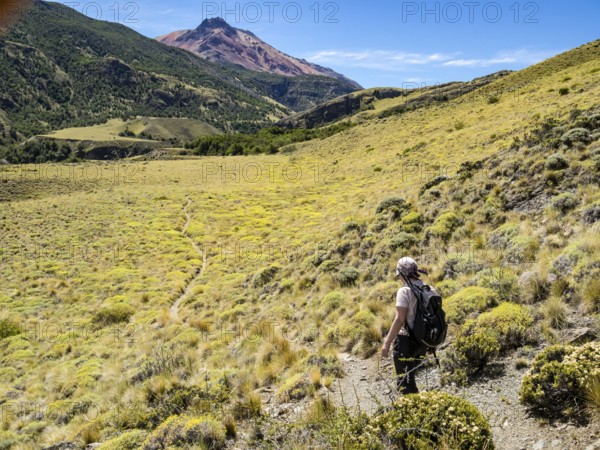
[347, 276]
[565, 202]
[129, 440]
[424, 421]
[412, 222]
[332, 301]
[351, 226]
[510, 323]
[391, 202]
[403, 241]
[181, 430]
[265, 276]
[469, 300]
[384, 293]
[444, 225]
[557, 162]
[576, 135]
[118, 313]
[480, 340]
[9, 328]
[592, 214]
[556, 385]
[330, 265]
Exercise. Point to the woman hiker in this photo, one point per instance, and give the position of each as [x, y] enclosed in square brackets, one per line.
[407, 354]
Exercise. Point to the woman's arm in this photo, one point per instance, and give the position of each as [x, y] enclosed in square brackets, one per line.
[397, 324]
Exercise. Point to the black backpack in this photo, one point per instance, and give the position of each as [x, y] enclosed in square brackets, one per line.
[430, 325]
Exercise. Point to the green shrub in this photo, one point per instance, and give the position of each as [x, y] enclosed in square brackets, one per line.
[328, 364]
[444, 225]
[433, 182]
[460, 265]
[493, 333]
[412, 222]
[391, 202]
[63, 411]
[351, 226]
[363, 317]
[384, 292]
[330, 265]
[286, 285]
[130, 440]
[8, 328]
[576, 135]
[565, 202]
[510, 323]
[412, 217]
[403, 241]
[425, 421]
[592, 214]
[563, 91]
[347, 276]
[333, 300]
[475, 351]
[447, 288]
[265, 276]
[557, 162]
[344, 248]
[8, 439]
[118, 313]
[180, 430]
[558, 380]
[469, 300]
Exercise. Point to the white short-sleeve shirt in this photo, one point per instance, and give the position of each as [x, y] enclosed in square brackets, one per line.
[406, 299]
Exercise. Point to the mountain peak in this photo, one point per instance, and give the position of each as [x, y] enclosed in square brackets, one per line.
[217, 41]
[215, 22]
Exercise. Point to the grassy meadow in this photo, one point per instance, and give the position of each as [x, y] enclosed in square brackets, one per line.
[297, 257]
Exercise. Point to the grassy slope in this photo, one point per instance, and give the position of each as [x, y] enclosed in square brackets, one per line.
[244, 227]
[65, 69]
[79, 73]
[158, 128]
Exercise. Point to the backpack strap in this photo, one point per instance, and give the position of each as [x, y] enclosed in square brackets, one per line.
[415, 292]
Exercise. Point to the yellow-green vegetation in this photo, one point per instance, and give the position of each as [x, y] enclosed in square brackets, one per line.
[298, 251]
[562, 382]
[178, 430]
[469, 300]
[420, 421]
[143, 128]
[493, 333]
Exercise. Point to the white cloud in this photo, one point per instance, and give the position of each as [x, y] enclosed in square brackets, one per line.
[396, 60]
[376, 59]
[522, 56]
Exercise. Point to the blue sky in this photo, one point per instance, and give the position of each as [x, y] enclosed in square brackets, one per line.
[384, 43]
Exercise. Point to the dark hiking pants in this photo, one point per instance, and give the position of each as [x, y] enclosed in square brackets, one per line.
[407, 357]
